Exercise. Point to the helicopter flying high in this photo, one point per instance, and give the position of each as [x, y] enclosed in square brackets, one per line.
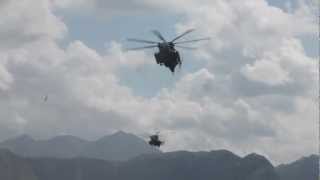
[167, 55]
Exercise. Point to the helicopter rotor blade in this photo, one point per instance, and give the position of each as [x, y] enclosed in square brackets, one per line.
[139, 48]
[141, 41]
[185, 47]
[183, 34]
[159, 35]
[194, 40]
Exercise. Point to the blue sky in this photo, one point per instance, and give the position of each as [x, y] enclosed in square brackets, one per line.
[98, 33]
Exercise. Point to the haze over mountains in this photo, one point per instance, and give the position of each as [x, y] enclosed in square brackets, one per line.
[120, 146]
[110, 158]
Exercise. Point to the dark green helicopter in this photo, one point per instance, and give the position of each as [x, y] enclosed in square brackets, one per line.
[167, 55]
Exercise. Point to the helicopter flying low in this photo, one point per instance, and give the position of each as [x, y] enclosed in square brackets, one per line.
[167, 55]
[155, 141]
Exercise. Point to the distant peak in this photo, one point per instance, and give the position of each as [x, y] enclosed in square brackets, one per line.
[116, 135]
[314, 156]
[254, 156]
[23, 137]
[223, 152]
[67, 138]
[307, 158]
[120, 133]
[20, 139]
[257, 158]
[5, 151]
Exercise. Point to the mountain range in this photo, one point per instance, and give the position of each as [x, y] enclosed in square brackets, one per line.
[119, 146]
[101, 160]
[304, 168]
[222, 165]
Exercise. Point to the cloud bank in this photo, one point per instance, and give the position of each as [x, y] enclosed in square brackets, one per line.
[256, 90]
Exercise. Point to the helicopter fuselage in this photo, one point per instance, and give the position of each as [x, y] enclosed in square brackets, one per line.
[167, 56]
[155, 141]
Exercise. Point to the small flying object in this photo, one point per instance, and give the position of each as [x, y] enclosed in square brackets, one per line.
[155, 141]
[167, 55]
[45, 98]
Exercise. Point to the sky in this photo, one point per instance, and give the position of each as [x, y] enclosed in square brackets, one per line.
[252, 88]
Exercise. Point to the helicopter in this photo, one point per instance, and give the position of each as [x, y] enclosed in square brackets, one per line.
[167, 55]
[155, 141]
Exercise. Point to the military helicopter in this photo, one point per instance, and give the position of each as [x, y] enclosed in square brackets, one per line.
[167, 55]
[155, 141]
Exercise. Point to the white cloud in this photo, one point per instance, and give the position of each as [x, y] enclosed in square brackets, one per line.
[5, 78]
[257, 86]
[286, 63]
[261, 43]
[267, 72]
[196, 84]
[28, 20]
